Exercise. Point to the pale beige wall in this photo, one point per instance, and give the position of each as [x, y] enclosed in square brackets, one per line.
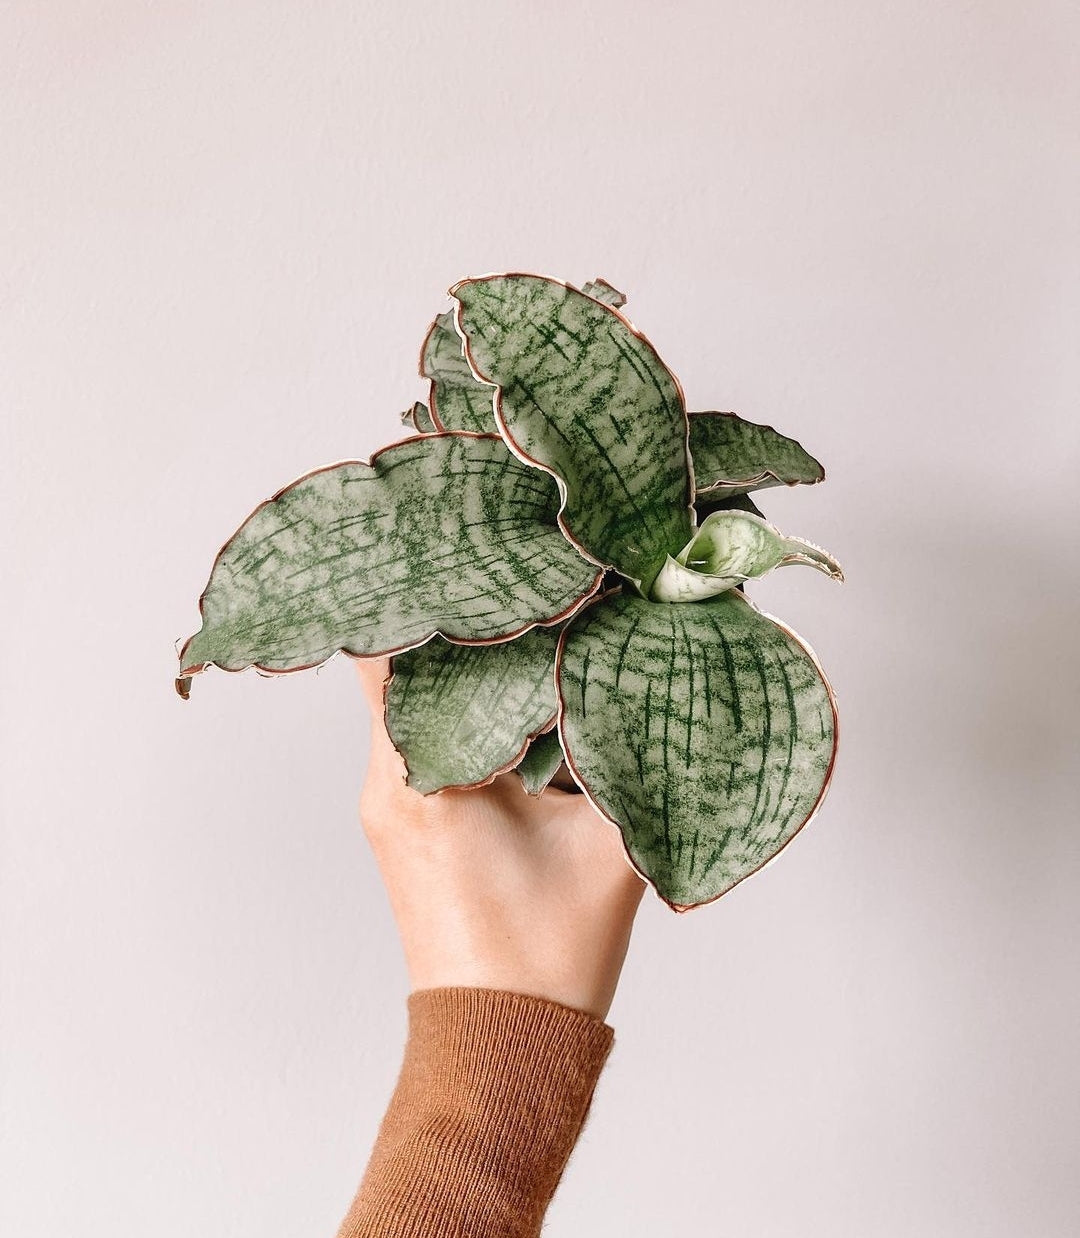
[224, 229]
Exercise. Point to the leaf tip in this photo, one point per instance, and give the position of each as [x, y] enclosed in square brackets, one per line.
[604, 292]
[183, 687]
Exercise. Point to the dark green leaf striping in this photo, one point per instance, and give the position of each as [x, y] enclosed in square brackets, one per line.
[733, 456]
[738, 762]
[458, 399]
[562, 360]
[459, 714]
[447, 533]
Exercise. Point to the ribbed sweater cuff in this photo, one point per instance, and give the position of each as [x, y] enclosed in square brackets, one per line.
[492, 1095]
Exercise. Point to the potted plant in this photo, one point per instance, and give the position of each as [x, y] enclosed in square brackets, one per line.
[554, 559]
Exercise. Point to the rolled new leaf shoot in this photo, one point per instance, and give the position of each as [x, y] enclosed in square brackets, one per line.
[730, 538]
[730, 548]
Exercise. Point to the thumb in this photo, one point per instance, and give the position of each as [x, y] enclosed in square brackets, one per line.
[374, 674]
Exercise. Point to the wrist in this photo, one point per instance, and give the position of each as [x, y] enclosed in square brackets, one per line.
[580, 974]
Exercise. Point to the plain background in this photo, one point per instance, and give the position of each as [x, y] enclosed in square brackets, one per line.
[225, 228]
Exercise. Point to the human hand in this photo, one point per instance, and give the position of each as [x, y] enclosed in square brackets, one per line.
[496, 889]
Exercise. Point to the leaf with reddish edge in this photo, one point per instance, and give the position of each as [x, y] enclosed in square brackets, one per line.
[706, 731]
[443, 534]
[733, 456]
[460, 714]
[540, 763]
[458, 400]
[585, 397]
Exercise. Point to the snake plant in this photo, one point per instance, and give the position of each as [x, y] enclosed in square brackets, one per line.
[555, 559]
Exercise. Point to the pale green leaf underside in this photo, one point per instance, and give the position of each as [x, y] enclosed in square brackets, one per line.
[540, 763]
[730, 548]
[705, 731]
[459, 714]
[584, 396]
[458, 400]
[732, 456]
[444, 534]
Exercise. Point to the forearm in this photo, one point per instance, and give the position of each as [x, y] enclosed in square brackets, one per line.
[492, 1096]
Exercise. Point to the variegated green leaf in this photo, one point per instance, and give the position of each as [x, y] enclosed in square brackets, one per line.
[705, 731]
[585, 397]
[601, 290]
[458, 399]
[540, 763]
[418, 418]
[462, 401]
[732, 456]
[460, 714]
[732, 547]
[446, 534]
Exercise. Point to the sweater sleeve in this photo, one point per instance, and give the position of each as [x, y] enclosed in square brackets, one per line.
[492, 1096]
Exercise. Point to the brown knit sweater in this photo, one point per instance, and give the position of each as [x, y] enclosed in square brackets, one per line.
[492, 1096]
